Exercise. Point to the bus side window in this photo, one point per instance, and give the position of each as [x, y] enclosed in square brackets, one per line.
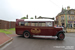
[26, 23]
[21, 23]
[34, 24]
[49, 24]
[42, 24]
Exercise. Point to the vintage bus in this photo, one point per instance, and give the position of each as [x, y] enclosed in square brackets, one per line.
[44, 27]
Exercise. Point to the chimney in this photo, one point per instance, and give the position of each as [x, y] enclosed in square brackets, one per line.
[68, 7]
[35, 17]
[27, 16]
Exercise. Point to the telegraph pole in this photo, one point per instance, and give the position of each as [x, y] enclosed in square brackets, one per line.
[66, 17]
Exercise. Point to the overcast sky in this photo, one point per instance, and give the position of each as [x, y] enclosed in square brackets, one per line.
[15, 9]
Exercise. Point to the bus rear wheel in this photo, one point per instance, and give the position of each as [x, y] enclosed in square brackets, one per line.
[60, 36]
[26, 34]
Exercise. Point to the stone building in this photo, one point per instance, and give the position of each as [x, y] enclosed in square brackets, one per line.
[66, 18]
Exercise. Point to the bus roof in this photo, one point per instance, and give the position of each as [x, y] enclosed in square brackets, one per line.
[38, 20]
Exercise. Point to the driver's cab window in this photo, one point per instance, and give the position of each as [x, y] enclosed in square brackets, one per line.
[49, 24]
[21, 23]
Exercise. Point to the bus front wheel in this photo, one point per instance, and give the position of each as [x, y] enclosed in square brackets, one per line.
[60, 36]
[26, 34]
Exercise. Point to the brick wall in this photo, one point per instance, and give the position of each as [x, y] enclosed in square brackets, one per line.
[6, 24]
[12, 24]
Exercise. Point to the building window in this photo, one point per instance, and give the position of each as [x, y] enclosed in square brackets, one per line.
[72, 12]
[69, 25]
[69, 17]
[74, 25]
[72, 17]
[63, 17]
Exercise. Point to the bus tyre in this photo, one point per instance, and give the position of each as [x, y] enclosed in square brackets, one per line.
[60, 36]
[26, 34]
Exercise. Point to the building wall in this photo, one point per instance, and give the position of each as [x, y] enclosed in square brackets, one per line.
[6, 24]
[12, 24]
[69, 21]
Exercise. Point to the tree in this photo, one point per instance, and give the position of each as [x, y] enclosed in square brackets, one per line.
[31, 18]
[24, 18]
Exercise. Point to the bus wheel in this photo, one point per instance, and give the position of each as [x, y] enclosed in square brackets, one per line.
[26, 34]
[60, 36]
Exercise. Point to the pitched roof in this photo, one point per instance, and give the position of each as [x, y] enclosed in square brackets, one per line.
[63, 11]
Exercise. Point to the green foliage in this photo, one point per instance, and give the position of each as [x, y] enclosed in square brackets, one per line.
[24, 18]
[31, 18]
[7, 31]
[12, 29]
[3, 31]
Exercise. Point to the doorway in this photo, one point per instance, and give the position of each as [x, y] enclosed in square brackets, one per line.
[63, 24]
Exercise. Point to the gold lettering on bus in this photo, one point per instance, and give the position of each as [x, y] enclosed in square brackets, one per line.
[35, 30]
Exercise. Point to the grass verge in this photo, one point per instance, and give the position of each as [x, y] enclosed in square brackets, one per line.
[7, 31]
[12, 29]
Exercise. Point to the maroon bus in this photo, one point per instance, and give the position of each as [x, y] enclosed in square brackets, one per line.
[44, 27]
